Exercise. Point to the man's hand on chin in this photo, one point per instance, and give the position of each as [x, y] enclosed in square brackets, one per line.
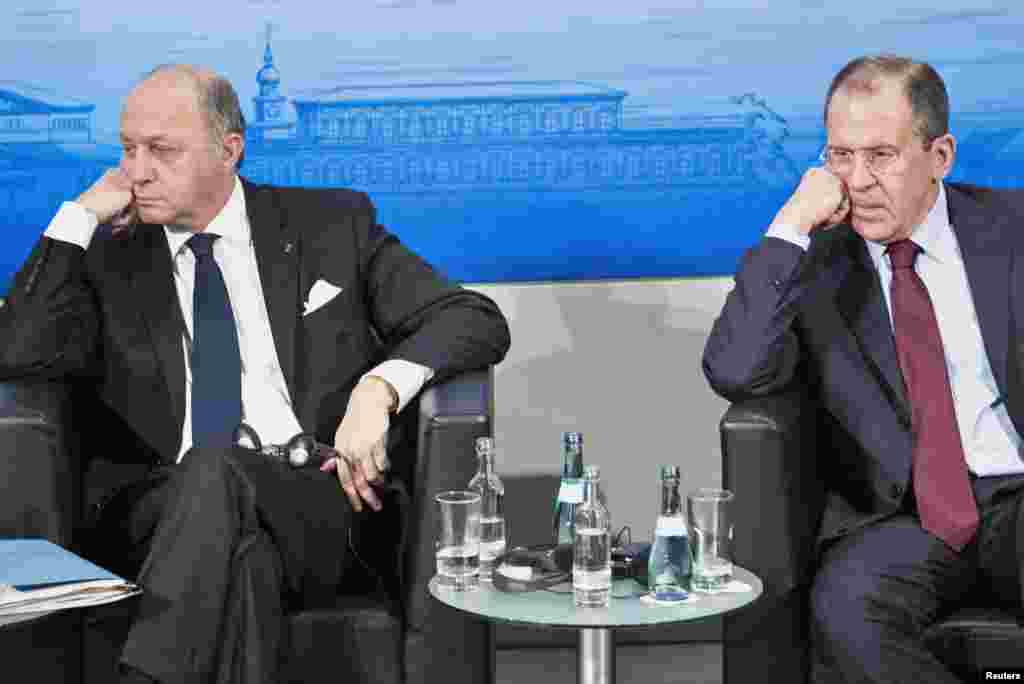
[111, 198]
[820, 201]
[360, 441]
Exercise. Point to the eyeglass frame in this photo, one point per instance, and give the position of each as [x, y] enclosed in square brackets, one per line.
[302, 450]
[867, 152]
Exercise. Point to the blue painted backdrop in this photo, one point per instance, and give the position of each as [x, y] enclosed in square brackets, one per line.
[505, 141]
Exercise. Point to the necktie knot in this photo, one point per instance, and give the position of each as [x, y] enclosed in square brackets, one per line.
[201, 244]
[903, 253]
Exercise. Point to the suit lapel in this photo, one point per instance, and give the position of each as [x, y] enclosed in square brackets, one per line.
[986, 245]
[277, 249]
[157, 299]
[983, 239]
[860, 301]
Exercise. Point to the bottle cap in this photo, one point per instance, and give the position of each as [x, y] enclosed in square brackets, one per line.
[591, 472]
[484, 445]
[573, 439]
[669, 472]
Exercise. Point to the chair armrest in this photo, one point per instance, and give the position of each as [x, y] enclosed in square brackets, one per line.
[39, 472]
[769, 459]
[452, 415]
[443, 644]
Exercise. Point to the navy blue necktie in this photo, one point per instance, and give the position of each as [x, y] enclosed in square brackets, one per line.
[216, 363]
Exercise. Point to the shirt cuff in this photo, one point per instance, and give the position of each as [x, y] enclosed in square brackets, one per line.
[73, 223]
[784, 231]
[406, 377]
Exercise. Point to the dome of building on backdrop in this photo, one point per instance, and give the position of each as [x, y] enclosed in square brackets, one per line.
[268, 73]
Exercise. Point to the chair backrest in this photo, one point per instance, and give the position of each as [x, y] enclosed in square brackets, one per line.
[42, 483]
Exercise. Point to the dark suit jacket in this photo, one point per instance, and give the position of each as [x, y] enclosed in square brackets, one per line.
[820, 318]
[112, 312]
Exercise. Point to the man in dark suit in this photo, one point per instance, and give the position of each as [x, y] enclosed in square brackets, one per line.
[198, 301]
[898, 299]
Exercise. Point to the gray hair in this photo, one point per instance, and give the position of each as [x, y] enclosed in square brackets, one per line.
[922, 86]
[218, 101]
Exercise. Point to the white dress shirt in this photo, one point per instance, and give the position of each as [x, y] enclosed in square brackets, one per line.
[991, 444]
[266, 404]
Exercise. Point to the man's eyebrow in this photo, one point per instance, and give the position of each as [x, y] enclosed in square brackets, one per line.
[146, 139]
[869, 148]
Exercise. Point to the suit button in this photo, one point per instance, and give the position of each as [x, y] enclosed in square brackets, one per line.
[896, 491]
[777, 284]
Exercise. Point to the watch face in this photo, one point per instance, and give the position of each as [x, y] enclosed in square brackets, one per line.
[273, 111]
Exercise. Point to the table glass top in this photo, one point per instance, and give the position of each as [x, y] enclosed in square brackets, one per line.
[628, 607]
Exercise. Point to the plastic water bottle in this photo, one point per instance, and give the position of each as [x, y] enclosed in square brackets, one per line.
[493, 538]
[668, 568]
[570, 489]
[592, 547]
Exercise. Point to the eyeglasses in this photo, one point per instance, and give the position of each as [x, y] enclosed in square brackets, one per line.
[301, 450]
[879, 160]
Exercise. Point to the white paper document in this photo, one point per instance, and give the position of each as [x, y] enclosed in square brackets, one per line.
[37, 575]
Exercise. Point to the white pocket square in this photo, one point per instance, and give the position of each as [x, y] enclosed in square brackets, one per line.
[321, 293]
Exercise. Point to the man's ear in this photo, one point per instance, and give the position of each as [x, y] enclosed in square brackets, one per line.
[943, 154]
[233, 148]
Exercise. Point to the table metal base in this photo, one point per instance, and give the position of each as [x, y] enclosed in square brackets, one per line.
[595, 654]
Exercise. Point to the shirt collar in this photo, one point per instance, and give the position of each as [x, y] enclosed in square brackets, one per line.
[934, 236]
[231, 223]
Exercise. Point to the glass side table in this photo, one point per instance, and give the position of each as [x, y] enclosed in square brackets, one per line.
[595, 626]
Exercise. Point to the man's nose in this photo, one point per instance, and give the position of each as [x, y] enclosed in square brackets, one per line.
[860, 176]
[138, 166]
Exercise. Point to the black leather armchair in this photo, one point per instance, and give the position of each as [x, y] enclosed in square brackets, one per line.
[770, 450]
[49, 466]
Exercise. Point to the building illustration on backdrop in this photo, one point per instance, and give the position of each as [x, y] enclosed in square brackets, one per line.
[48, 153]
[530, 135]
[522, 168]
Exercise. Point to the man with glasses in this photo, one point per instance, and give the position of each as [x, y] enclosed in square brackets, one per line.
[897, 299]
[201, 303]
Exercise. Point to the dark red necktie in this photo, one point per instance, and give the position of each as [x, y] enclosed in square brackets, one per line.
[942, 489]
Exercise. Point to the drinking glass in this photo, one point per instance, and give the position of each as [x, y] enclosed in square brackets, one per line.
[710, 521]
[458, 539]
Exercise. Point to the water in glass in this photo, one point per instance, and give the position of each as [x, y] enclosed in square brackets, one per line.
[711, 543]
[458, 566]
[458, 539]
[711, 572]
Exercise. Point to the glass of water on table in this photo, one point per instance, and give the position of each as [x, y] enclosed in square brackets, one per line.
[458, 539]
[710, 522]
